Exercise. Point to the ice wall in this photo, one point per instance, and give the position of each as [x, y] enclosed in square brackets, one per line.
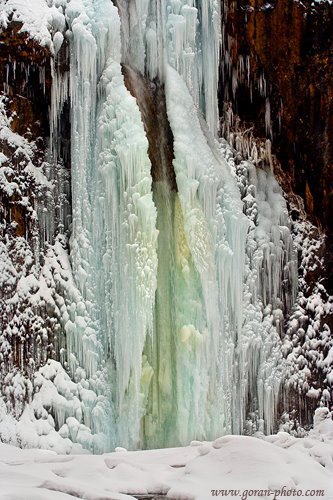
[192, 42]
[179, 304]
[113, 236]
[184, 33]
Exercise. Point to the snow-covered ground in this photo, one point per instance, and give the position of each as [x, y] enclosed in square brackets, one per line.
[246, 467]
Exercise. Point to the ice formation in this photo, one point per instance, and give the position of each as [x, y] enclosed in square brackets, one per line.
[165, 274]
[174, 299]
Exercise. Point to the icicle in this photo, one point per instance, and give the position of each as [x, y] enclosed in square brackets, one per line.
[193, 58]
[262, 85]
[268, 122]
[248, 69]
[59, 95]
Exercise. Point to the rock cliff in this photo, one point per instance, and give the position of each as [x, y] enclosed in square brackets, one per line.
[277, 73]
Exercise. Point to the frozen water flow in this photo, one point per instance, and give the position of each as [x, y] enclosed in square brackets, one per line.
[175, 294]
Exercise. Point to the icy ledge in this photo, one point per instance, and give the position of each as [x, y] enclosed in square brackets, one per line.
[198, 471]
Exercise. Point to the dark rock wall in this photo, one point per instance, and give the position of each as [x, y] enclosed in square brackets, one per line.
[26, 79]
[279, 55]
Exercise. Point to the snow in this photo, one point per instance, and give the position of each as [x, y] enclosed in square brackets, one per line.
[39, 18]
[308, 340]
[229, 466]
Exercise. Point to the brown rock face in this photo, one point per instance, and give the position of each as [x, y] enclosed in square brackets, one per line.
[150, 98]
[25, 73]
[278, 74]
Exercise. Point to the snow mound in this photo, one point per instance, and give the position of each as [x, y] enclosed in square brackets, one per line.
[230, 466]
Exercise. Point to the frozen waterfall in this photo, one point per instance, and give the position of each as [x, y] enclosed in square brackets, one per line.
[178, 254]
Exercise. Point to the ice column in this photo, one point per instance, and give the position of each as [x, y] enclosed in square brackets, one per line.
[186, 34]
[193, 44]
[125, 241]
[215, 230]
[114, 238]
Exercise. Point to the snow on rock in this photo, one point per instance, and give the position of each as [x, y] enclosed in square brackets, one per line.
[296, 300]
[25, 334]
[308, 343]
[38, 298]
[56, 414]
[39, 18]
